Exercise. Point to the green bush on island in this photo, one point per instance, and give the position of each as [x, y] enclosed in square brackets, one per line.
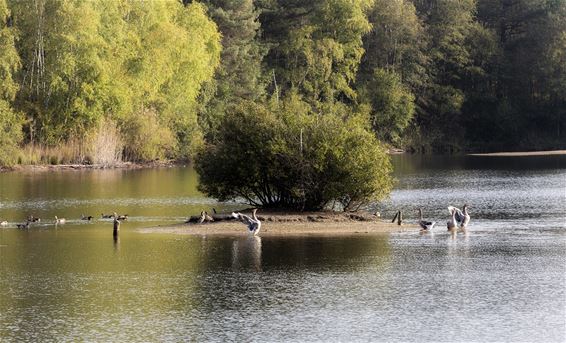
[288, 155]
[10, 134]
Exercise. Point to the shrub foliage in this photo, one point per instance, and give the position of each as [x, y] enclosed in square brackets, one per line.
[284, 155]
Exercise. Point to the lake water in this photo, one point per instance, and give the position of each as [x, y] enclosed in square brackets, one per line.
[502, 281]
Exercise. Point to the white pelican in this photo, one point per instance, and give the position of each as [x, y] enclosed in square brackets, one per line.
[254, 225]
[462, 217]
[452, 223]
[425, 225]
[60, 220]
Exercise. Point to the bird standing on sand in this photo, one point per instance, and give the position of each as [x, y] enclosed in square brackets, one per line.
[425, 225]
[462, 217]
[204, 217]
[254, 225]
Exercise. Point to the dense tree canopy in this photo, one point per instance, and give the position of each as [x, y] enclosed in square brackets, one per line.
[10, 121]
[141, 64]
[147, 80]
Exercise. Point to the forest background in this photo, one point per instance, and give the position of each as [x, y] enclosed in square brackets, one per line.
[123, 80]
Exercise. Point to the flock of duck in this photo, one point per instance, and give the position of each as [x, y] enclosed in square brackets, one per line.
[253, 223]
[459, 219]
[32, 219]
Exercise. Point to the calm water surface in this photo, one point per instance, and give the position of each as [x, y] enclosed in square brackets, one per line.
[502, 281]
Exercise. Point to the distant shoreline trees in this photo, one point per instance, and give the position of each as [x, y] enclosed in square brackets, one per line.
[84, 64]
[155, 79]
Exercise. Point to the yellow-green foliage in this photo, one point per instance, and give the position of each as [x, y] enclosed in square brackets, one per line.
[88, 60]
[286, 155]
[10, 134]
[318, 52]
[392, 103]
[146, 139]
[10, 121]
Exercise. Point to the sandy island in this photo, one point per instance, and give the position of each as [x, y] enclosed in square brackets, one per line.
[292, 224]
[524, 153]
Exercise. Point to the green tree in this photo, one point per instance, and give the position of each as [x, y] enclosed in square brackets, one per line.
[283, 155]
[316, 46]
[10, 121]
[455, 70]
[393, 67]
[392, 105]
[60, 81]
[128, 61]
[524, 107]
[396, 42]
[239, 74]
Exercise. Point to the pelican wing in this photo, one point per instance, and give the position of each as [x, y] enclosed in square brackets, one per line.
[244, 219]
[459, 214]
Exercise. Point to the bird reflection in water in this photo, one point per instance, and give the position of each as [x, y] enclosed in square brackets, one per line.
[246, 253]
[116, 243]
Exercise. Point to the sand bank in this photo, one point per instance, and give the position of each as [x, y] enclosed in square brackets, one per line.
[524, 153]
[292, 224]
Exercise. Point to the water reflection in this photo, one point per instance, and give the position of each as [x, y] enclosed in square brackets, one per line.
[116, 240]
[246, 253]
[501, 280]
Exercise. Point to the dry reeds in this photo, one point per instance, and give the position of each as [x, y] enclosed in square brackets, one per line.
[103, 147]
[106, 145]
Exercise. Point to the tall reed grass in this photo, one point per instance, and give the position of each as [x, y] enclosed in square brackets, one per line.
[103, 147]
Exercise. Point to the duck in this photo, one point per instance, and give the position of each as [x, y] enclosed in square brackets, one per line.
[204, 217]
[122, 217]
[119, 216]
[3, 223]
[106, 216]
[23, 226]
[60, 220]
[425, 225]
[83, 217]
[462, 217]
[253, 223]
[452, 224]
[33, 219]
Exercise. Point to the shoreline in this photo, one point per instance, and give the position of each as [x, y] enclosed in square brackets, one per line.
[172, 163]
[80, 167]
[522, 153]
